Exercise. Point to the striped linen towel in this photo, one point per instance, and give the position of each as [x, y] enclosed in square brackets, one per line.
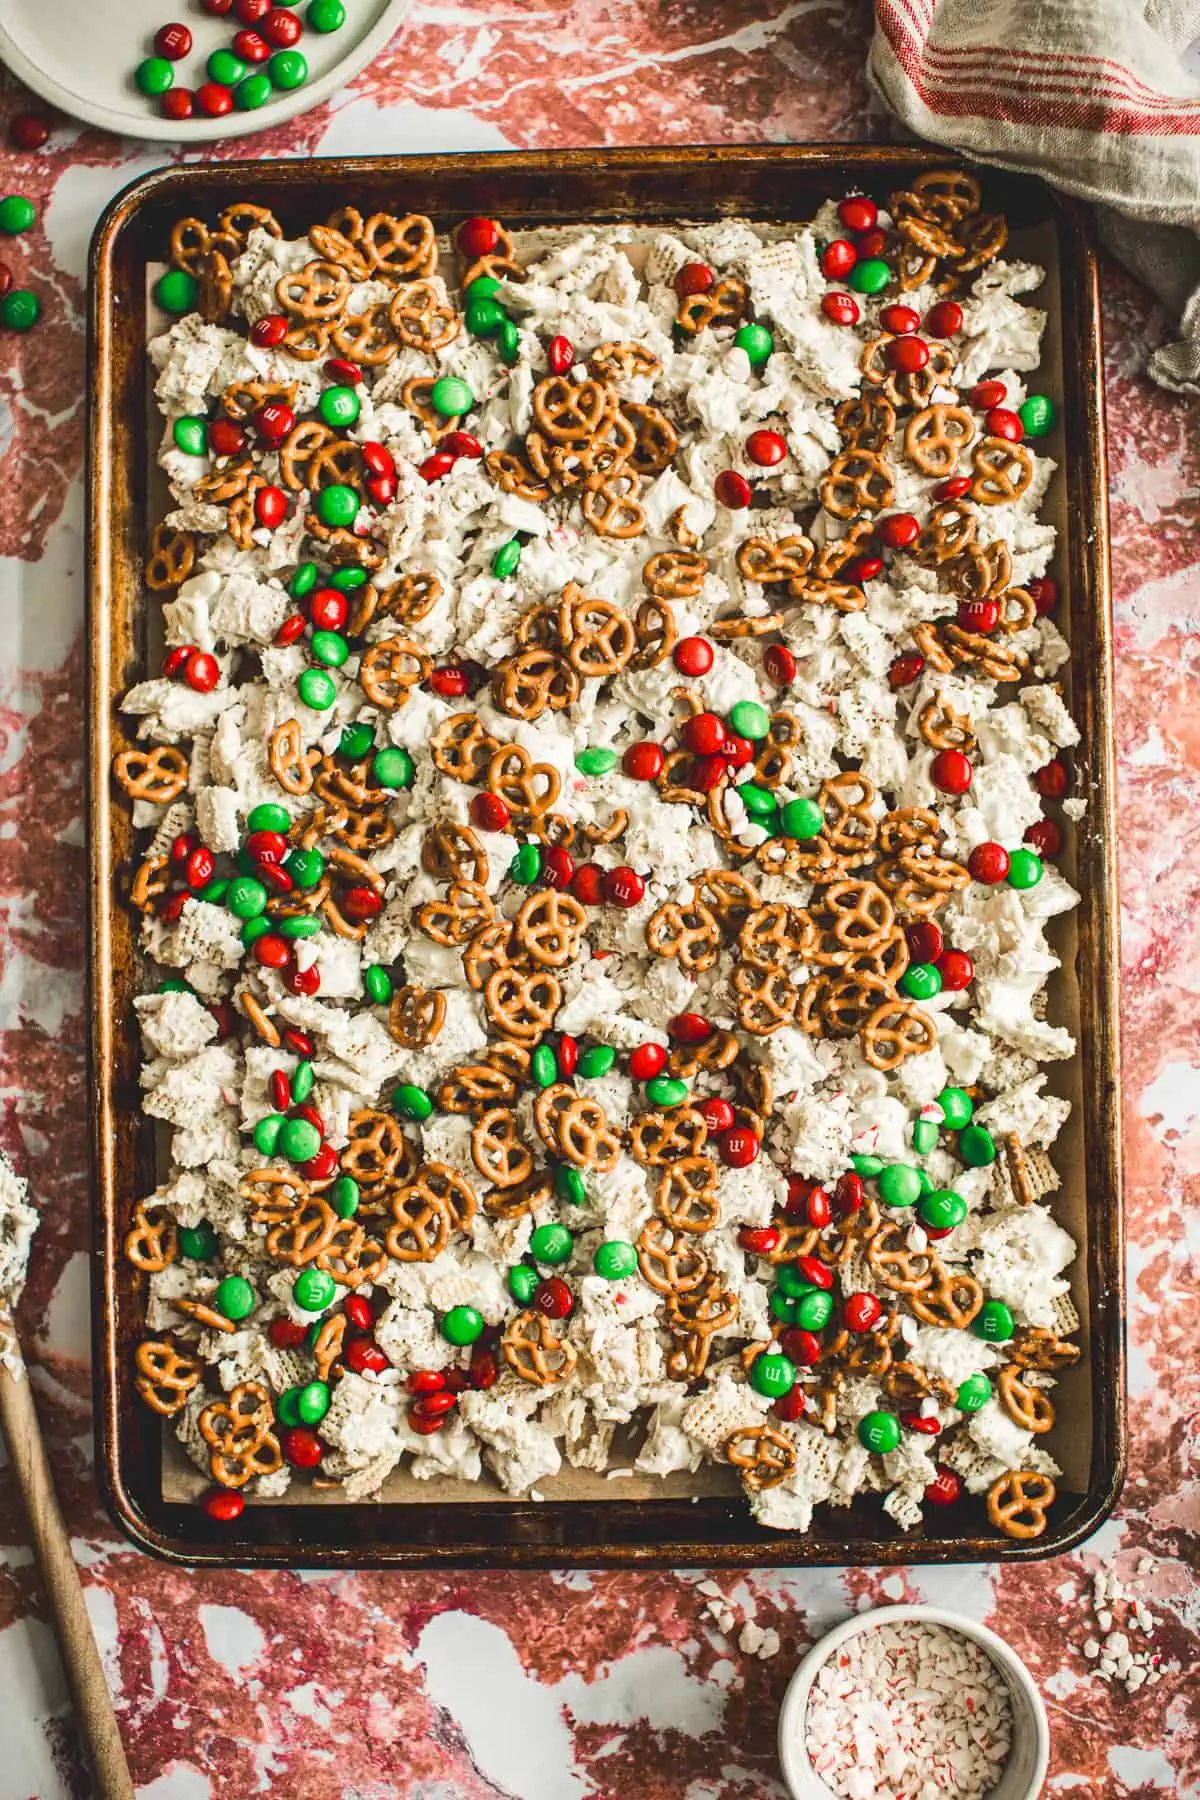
[1095, 96]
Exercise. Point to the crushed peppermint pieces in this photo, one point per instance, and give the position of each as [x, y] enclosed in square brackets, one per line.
[751, 1638]
[1119, 1610]
[909, 1712]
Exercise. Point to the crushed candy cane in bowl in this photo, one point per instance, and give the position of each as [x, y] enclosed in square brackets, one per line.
[913, 1703]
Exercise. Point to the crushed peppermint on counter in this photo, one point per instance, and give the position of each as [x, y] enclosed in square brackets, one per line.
[909, 1712]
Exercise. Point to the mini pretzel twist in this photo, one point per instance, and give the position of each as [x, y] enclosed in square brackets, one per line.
[1017, 1504]
[659, 1138]
[497, 1150]
[934, 437]
[535, 1353]
[1003, 471]
[689, 934]
[242, 1445]
[390, 670]
[171, 559]
[724, 304]
[1028, 1406]
[152, 1243]
[522, 1006]
[416, 1016]
[763, 1455]
[159, 775]
[895, 1030]
[858, 481]
[165, 1376]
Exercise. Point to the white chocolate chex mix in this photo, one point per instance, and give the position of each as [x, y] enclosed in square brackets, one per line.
[597, 829]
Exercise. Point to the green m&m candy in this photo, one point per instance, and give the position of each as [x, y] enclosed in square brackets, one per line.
[20, 310]
[344, 1196]
[814, 1310]
[298, 925]
[759, 802]
[17, 214]
[793, 1283]
[526, 865]
[879, 1432]
[226, 68]
[596, 1061]
[246, 897]
[899, 1185]
[924, 1136]
[664, 1090]
[214, 891]
[191, 436]
[154, 76]
[484, 287]
[252, 92]
[870, 276]
[174, 984]
[176, 291]
[483, 316]
[269, 816]
[801, 819]
[595, 760]
[234, 1298]
[198, 1242]
[1036, 415]
[569, 1184]
[523, 1283]
[337, 506]
[993, 1322]
[750, 720]
[313, 1289]
[976, 1146]
[356, 742]
[942, 1210]
[330, 648]
[312, 1402]
[303, 581]
[377, 984]
[285, 1408]
[394, 768]
[756, 341]
[303, 1079]
[266, 1133]
[451, 397]
[782, 1307]
[325, 15]
[462, 1325]
[543, 1066]
[508, 342]
[339, 406]
[551, 1244]
[288, 69]
[773, 1375]
[317, 689]
[866, 1166]
[921, 981]
[973, 1393]
[299, 1140]
[505, 561]
[1024, 868]
[306, 867]
[253, 929]
[615, 1259]
[346, 580]
[411, 1102]
[957, 1107]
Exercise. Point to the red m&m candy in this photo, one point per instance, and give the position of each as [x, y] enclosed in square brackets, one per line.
[1051, 780]
[956, 970]
[223, 1504]
[907, 354]
[951, 771]
[172, 41]
[986, 394]
[858, 213]
[837, 259]
[988, 862]
[265, 333]
[478, 237]
[1046, 837]
[560, 354]
[623, 886]
[944, 319]
[1043, 590]
[647, 1061]
[717, 1114]
[733, 490]
[862, 1312]
[694, 278]
[739, 1147]
[840, 309]
[643, 762]
[780, 665]
[693, 656]
[903, 320]
[906, 669]
[766, 448]
[898, 531]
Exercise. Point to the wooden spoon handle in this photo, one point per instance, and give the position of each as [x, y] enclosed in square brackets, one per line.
[60, 1578]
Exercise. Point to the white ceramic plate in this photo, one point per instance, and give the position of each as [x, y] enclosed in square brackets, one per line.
[80, 55]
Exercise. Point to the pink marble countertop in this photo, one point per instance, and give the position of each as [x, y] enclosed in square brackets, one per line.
[560, 1687]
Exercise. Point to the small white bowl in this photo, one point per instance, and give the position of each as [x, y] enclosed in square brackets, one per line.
[1025, 1770]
